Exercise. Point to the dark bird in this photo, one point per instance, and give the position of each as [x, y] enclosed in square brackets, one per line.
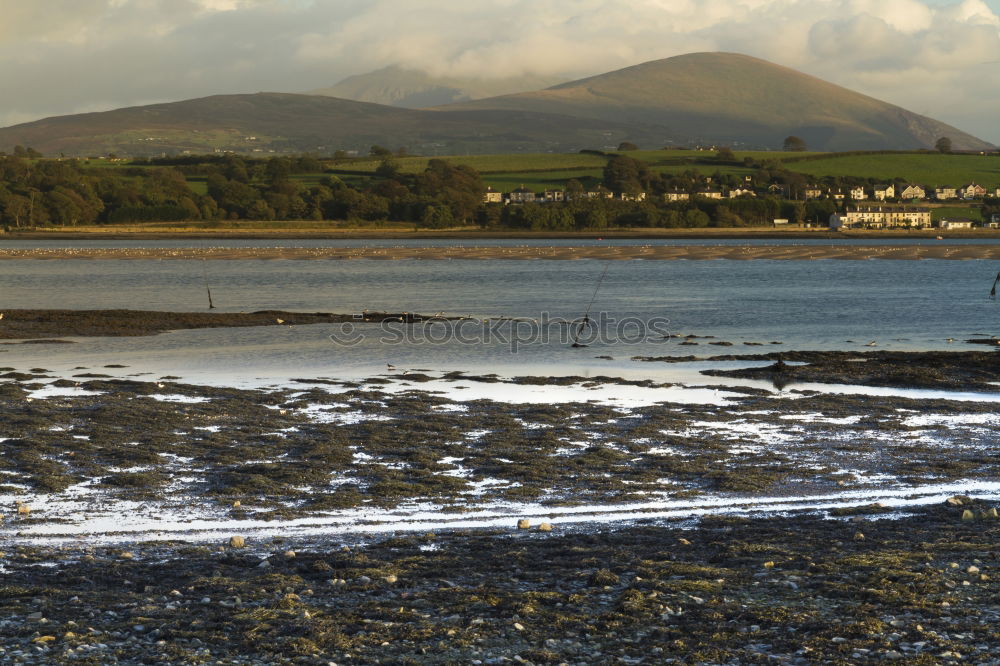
[390, 366]
[993, 291]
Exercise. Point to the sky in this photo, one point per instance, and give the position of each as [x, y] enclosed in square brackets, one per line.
[936, 57]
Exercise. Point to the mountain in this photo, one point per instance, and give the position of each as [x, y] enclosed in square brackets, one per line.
[698, 98]
[412, 89]
[734, 98]
[279, 122]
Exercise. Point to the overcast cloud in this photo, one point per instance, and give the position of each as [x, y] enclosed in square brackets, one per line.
[65, 56]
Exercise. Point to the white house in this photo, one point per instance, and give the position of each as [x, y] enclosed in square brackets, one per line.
[942, 193]
[955, 223]
[858, 193]
[492, 196]
[883, 192]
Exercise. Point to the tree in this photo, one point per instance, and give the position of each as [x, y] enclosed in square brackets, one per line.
[627, 145]
[943, 145]
[725, 154]
[379, 151]
[795, 144]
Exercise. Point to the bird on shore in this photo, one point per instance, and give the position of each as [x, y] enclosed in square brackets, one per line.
[873, 343]
[390, 366]
[949, 339]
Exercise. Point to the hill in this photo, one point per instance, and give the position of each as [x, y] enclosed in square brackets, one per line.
[407, 88]
[736, 99]
[278, 122]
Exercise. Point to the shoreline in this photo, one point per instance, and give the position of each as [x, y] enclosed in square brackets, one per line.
[725, 233]
[606, 253]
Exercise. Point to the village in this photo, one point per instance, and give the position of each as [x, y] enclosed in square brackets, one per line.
[894, 206]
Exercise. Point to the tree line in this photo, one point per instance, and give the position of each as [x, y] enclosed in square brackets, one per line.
[40, 192]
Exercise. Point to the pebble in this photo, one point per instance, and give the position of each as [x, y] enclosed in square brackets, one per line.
[524, 524]
[545, 527]
[237, 542]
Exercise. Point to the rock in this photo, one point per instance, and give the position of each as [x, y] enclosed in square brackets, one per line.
[839, 640]
[545, 527]
[859, 536]
[43, 639]
[519, 626]
[364, 580]
[768, 565]
[684, 542]
[524, 524]
[23, 509]
[237, 504]
[391, 578]
[968, 515]
[126, 555]
[973, 569]
[264, 564]
[893, 654]
[289, 554]
[990, 514]
[36, 616]
[237, 542]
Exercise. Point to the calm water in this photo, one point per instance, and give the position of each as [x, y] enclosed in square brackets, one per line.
[805, 305]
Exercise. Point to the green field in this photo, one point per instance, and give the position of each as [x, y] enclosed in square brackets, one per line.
[973, 213]
[923, 168]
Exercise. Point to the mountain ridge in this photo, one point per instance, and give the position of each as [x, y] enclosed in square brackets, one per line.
[705, 98]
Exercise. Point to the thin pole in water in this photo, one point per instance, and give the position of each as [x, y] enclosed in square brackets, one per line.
[204, 272]
[585, 322]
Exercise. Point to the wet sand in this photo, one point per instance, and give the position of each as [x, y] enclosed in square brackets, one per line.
[28, 324]
[649, 252]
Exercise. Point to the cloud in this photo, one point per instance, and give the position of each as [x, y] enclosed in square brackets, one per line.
[939, 57]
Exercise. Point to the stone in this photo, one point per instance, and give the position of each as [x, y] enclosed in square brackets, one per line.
[859, 536]
[237, 542]
[893, 654]
[684, 542]
[289, 554]
[544, 527]
[524, 524]
[968, 515]
[36, 616]
[990, 514]
[126, 555]
[23, 509]
[237, 504]
[769, 565]
[391, 578]
[973, 569]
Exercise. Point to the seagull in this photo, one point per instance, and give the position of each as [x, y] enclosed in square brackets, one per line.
[873, 343]
[390, 366]
[949, 339]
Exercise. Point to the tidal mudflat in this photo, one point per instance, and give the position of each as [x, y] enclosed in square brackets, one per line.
[378, 521]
